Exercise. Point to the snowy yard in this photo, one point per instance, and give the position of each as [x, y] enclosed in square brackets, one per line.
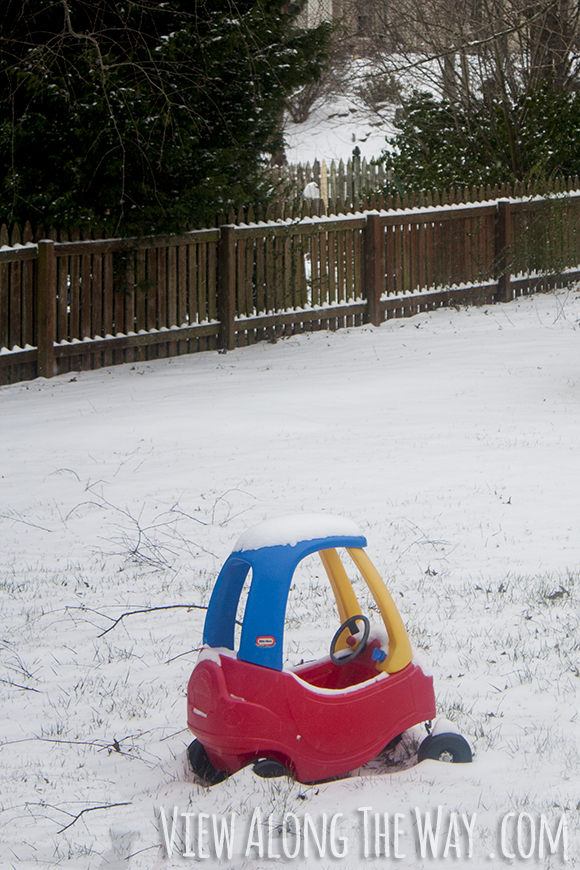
[450, 438]
[335, 127]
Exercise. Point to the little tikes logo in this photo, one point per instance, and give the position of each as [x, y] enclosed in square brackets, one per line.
[265, 640]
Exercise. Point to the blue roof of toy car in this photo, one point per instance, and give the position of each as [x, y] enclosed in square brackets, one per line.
[272, 550]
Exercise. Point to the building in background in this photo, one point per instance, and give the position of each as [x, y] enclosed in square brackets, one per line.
[317, 11]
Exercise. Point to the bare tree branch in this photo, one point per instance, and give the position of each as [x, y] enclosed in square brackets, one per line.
[469, 45]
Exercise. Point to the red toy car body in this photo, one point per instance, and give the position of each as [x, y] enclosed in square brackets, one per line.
[316, 721]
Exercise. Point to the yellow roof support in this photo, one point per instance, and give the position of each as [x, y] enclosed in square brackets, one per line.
[346, 600]
[400, 652]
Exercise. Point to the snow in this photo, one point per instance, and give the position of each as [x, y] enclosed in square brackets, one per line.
[289, 531]
[450, 438]
[311, 191]
[321, 690]
[444, 726]
[334, 128]
[213, 654]
[344, 120]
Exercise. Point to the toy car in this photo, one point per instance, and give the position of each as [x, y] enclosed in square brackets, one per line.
[322, 719]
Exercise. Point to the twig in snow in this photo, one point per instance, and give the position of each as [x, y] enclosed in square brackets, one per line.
[69, 470]
[222, 497]
[90, 810]
[139, 542]
[150, 610]
[18, 686]
[99, 745]
[179, 512]
[17, 519]
[195, 649]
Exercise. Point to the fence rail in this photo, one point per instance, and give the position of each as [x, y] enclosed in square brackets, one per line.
[82, 304]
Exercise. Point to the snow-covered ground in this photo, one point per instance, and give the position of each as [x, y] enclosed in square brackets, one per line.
[451, 438]
[341, 121]
[334, 128]
[344, 119]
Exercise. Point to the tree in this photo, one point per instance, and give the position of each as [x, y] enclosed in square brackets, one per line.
[442, 144]
[144, 116]
[487, 87]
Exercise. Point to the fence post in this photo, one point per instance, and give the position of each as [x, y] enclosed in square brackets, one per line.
[226, 267]
[503, 241]
[374, 266]
[46, 308]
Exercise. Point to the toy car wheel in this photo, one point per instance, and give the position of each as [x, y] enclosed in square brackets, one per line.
[351, 624]
[268, 768]
[445, 747]
[202, 766]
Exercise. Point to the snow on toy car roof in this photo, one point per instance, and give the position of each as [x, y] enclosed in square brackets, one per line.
[289, 531]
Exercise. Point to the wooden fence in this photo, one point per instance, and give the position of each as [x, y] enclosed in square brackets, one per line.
[342, 185]
[336, 181]
[79, 305]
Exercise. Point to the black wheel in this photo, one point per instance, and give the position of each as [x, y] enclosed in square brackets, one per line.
[446, 747]
[351, 624]
[202, 766]
[268, 768]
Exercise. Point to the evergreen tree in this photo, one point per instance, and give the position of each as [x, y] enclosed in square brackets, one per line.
[442, 144]
[499, 81]
[144, 116]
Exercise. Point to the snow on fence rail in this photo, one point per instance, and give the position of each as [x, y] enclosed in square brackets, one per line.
[83, 304]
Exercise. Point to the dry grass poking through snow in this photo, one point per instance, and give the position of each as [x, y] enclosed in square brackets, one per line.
[451, 438]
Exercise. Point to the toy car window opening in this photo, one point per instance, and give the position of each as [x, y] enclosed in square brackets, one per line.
[312, 616]
[241, 609]
[262, 634]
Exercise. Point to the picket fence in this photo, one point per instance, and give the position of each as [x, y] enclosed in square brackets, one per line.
[78, 304]
[343, 186]
[337, 180]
